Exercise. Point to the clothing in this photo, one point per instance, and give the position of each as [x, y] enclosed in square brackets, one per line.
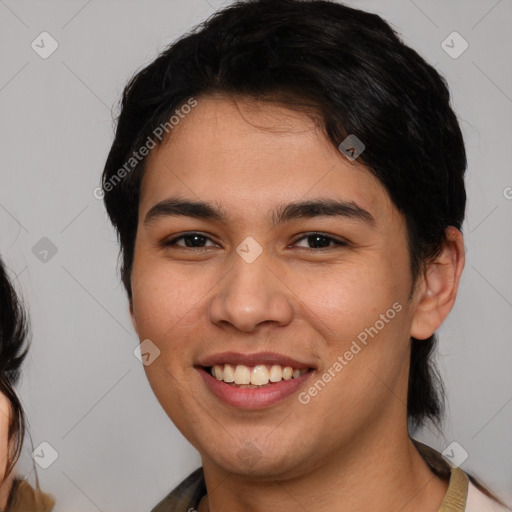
[25, 498]
[479, 502]
[461, 496]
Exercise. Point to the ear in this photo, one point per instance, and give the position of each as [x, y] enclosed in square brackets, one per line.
[437, 289]
[133, 318]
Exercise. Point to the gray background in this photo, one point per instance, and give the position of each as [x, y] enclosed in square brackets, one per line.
[83, 390]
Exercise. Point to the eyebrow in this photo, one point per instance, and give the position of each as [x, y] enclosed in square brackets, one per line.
[175, 206]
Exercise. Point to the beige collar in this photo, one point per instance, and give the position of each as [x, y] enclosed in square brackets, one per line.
[457, 493]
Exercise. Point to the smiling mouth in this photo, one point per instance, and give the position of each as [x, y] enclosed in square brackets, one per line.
[257, 376]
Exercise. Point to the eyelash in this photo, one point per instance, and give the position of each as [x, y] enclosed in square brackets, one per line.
[340, 243]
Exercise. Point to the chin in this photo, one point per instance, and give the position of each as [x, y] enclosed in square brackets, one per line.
[256, 461]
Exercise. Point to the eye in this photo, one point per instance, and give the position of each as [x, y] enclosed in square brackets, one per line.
[321, 240]
[197, 241]
[192, 240]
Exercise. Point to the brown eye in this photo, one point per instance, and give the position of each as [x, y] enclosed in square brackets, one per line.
[321, 241]
[192, 240]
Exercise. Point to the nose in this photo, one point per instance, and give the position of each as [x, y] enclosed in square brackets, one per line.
[250, 295]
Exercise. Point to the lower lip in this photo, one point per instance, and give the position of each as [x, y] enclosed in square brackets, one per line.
[253, 398]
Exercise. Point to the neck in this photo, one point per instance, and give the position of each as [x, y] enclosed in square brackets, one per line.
[375, 473]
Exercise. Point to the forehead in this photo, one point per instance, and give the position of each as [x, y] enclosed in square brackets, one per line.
[250, 155]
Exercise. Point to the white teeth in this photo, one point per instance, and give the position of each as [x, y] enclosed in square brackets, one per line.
[229, 373]
[287, 372]
[276, 373]
[242, 374]
[259, 375]
[218, 373]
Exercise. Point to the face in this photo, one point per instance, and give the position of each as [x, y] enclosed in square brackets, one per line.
[250, 281]
[5, 416]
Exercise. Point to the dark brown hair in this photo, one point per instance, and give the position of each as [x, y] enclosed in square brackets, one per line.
[14, 345]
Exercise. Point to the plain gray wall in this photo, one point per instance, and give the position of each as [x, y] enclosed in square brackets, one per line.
[83, 390]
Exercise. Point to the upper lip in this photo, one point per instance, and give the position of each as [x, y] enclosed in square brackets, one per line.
[253, 359]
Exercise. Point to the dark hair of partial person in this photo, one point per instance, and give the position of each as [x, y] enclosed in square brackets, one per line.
[13, 349]
[14, 346]
[350, 71]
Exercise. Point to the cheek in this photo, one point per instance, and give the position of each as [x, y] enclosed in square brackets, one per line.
[343, 300]
[361, 312]
[170, 306]
[165, 304]
[161, 299]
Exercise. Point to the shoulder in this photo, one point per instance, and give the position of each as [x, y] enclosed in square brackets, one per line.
[25, 497]
[185, 496]
[462, 494]
[477, 501]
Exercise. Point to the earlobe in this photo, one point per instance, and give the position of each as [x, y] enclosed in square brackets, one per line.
[439, 286]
